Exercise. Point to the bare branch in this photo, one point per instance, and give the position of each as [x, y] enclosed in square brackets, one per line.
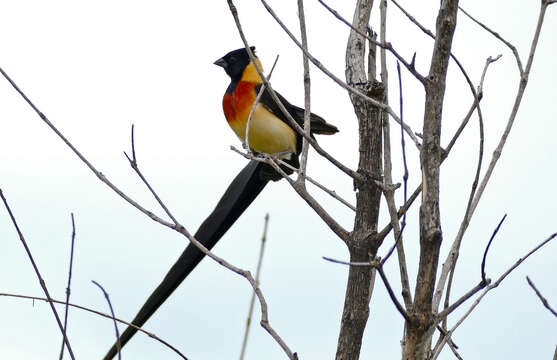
[82, 158]
[54, 301]
[68, 288]
[488, 245]
[495, 157]
[289, 117]
[255, 102]
[244, 273]
[499, 37]
[437, 351]
[37, 272]
[376, 264]
[113, 316]
[430, 34]
[387, 164]
[134, 164]
[383, 44]
[257, 273]
[404, 208]
[516, 106]
[301, 190]
[176, 226]
[449, 309]
[351, 89]
[543, 300]
[450, 264]
[332, 193]
[307, 102]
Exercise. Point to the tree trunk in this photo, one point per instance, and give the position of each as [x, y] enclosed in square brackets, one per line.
[362, 243]
[420, 330]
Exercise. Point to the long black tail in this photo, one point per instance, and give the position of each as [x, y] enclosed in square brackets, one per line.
[239, 195]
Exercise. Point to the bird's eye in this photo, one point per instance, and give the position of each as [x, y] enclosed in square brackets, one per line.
[232, 59]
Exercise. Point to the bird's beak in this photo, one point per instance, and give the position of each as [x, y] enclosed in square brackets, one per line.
[220, 62]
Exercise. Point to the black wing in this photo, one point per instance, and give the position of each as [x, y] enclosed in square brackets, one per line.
[318, 124]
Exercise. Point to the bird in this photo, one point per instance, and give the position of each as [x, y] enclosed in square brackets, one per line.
[270, 133]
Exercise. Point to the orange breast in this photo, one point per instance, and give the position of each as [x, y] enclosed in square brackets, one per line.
[237, 105]
[267, 133]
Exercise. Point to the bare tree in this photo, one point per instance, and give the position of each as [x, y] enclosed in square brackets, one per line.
[423, 311]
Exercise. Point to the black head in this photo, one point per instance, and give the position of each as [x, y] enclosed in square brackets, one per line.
[235, 62]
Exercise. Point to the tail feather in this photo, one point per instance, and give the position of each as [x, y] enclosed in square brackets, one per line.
[240, 194]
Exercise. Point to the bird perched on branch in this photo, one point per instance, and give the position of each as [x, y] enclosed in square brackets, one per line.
[270, 133]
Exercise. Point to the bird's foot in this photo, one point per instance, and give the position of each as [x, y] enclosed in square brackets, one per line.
[286, 154]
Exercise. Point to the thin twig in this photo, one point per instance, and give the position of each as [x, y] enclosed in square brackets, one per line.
[518, 99]
[288, 116]
[82, 158]
[351, 89]
[499, 37]
[466, 219]
[37, 272]
[68, 288]
[444, 333]
[392, 295]
[449, 309]
[406, 206]
[438, 349]
[430, 34]
[332, 193]
[405, 176]
[455, 352]
[113, 316]
[135, 166]
[403, 146]
[255, 102]
[388, 178]
[302, 191]
[177, 226]
[543, 300]
[244, 273]
[450, 264]
[307, 97]
[383, 44]
[495, 157]
[489, 244]
[54, 301]
[257, 273]
[376, 265]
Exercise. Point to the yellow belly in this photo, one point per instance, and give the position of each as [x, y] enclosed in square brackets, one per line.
[267, 133]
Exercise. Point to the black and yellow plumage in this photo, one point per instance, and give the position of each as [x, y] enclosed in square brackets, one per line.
[270, 131]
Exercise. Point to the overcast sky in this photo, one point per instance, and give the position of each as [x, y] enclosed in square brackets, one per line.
[96, 68]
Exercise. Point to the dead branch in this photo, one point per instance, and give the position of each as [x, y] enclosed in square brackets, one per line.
[438, 348]
[257, 273]
[118, 346]
[37, 272]
[176, 226]
[542, 299]
[68, 287]
[344, 85]
[291, 120]
[54, 301]
[448, 264]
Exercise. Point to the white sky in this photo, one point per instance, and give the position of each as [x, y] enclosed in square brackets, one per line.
[95, 69]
